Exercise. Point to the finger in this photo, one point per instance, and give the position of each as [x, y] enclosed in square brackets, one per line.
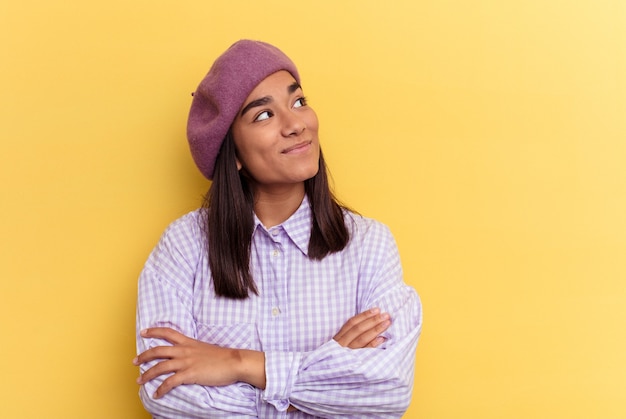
[366, 330]
[354, 321]
[355, 326]
[158, 352]
[379, 340]
[361, 335]
[368, 335]
[161, 368]
[166, 333]
[168, 384]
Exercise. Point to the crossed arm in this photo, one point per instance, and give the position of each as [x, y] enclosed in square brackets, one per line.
[355, 374]
[191, 361]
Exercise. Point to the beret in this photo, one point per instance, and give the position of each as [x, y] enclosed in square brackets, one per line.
[222, 92]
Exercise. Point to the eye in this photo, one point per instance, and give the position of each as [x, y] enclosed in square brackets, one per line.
[300, 102]
[263, 116]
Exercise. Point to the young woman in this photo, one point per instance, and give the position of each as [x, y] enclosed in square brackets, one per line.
[272, 300]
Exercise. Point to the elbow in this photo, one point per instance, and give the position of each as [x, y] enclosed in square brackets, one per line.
[404, 393]
[392, 392]
[400, 385]
[149, 403]
[155, 407]
[396, 402]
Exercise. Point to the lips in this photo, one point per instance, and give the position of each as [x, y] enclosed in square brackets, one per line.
[297, 147]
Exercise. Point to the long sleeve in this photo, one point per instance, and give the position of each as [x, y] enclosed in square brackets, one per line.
[333, 381]
[165, 300]
[302, 304]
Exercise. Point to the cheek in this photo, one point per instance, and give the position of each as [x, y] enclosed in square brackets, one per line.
[313, 123]
[244, 148]
[253, 158]
[249, 158]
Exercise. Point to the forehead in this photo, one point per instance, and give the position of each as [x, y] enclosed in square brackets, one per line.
[274, 83]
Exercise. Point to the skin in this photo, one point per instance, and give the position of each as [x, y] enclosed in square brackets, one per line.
[276, 137]
[196, 362]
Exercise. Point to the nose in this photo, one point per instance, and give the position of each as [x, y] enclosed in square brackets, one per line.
[293, 124]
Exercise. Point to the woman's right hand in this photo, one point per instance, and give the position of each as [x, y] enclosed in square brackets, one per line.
[364, 330]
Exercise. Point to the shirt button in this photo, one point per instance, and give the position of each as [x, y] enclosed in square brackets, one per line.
[274, 233]
[275, 311]
[275, 253]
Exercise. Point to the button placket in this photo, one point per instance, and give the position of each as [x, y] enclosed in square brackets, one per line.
[274, 304]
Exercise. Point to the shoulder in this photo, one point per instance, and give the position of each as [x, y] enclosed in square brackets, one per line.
[173, 262]
[380, 269]
[189, 226]
[365, 228]
[182, 240]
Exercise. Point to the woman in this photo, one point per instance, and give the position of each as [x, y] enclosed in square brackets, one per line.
[272, 300]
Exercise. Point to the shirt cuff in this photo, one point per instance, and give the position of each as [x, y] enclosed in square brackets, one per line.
[281, 369]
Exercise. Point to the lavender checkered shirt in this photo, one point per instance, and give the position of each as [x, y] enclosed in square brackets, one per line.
[302, 304]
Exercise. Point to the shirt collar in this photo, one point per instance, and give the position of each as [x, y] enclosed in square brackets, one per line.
[297, 227]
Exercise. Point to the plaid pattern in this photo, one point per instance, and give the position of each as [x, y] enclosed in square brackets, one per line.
[301, 305]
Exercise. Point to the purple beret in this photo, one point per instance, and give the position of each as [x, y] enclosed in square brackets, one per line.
[222, 92]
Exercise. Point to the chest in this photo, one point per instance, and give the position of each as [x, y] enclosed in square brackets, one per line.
[301, 304]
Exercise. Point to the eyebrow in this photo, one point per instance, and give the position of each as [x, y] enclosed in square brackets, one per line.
[268, 99]
[293, 87]
[255, 103]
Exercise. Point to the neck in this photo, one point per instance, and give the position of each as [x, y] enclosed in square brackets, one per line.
[277, 204]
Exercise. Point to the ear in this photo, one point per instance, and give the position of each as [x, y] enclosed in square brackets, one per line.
[239, 165]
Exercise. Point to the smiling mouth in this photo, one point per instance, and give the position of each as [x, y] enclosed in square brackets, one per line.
[297, 147]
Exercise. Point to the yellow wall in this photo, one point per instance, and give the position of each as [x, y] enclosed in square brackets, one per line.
[489, 135]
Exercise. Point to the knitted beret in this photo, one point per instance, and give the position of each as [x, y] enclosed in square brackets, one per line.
[222, 92]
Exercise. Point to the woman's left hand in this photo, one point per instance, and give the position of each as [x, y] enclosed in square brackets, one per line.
[194, 362]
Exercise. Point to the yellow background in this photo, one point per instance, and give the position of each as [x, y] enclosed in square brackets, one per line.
[490, 135]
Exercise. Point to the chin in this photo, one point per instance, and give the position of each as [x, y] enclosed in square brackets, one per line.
[310, 173]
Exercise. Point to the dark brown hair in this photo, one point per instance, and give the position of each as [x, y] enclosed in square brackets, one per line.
[229, 207]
